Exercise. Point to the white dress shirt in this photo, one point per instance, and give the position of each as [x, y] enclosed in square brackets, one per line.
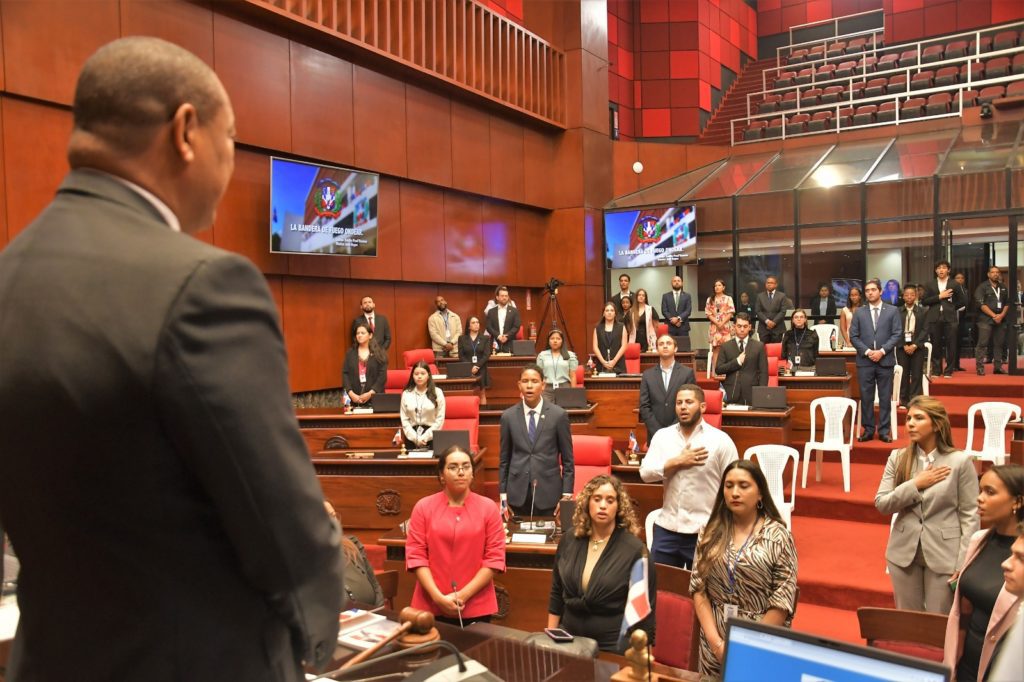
[502, 312]
[526, 413]
[689, 493]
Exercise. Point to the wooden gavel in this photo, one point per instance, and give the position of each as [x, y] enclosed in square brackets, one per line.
[411, 620]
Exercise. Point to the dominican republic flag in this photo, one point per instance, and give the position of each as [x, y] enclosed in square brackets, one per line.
[632, 446]
[638, 606]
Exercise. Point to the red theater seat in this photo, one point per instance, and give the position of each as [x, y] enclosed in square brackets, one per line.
[662, 328]
[785, 79]
[957, 48]
[845, 69]
[865, 114]
[938, 104]
[797, 56]
[1015, 89]
[797, 124]
[984, 46]
[462, 412]
[411, 357]
[867, 64]
[816, 52]
[831, 94]
[887, 61]
[769, 104]
[1018, 63]
[754, 130]
[856, 45]
[990, 93]
[897, 83]
[774, 128]
[845, 116]
[977, 72]
[804, 76]
[886, 112]
[933, 53]
[908, 57]
[592, 456]
[396, 381]
[713, 411]
[822, 120]
[912, 108]
[825, 72]
[997, 68]
[789, 100]
[773, 370]
[875, 87]
[810, 96]
[922, 80]
[1004, 40]
[947, 75]
[969, 97]
[836, 49]
[632, 356]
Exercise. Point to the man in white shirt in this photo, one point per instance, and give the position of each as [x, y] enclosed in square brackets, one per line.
[445, 328]
[690, 459]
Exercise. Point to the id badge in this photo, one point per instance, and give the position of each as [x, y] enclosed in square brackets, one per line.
[908, 337]
[999, 305]
[362, 378]
[732, 611]
[473, 359]
[554, 385]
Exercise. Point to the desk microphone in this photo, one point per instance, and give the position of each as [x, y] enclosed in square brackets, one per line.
[455, 590]
[533, 501]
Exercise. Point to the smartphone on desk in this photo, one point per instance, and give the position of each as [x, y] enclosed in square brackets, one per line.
[558, 634]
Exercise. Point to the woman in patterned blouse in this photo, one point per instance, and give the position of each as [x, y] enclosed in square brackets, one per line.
[745, 565]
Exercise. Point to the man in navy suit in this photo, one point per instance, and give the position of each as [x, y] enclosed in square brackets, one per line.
[875, 331]
[675, 309]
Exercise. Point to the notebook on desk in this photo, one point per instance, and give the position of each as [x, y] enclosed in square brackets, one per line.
[830, 367]
[768, 398]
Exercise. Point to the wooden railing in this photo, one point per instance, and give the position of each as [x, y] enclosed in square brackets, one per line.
[458, 41]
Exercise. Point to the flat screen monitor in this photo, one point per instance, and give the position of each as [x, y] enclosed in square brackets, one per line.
[322, 210]
[650, 237]
[841, 290]
[753, 649]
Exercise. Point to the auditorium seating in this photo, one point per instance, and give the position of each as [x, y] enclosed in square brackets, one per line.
[396, 380]
[713, 409]
[911, 633]
[632, 356]
[677, 615]
[592, 456]
[773, 460]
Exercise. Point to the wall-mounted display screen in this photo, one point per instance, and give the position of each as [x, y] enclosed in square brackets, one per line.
[650, 237]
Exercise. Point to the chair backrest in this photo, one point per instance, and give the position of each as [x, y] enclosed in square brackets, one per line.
[411, 357]
[632, 356]
[463, 412]
[713, 409]
[772, 459]
[581, 372]
[773, 350]
[649, 526]
[897, 377]
[825, 332]
[396, 381]
[995, 416]
[773, 369]
[592, 456]
[834, 409]
[678, 615]
[662, 328]
[912, 633]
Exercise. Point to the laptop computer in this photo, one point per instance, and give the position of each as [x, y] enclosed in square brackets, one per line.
[445, 439]
[386, 402]
[753, 648]
[459, 370]
[769, 398]
[524, 347]
[571, 398]
[830, 367]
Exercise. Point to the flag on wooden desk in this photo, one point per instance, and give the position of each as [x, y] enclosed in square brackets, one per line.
[638, 606]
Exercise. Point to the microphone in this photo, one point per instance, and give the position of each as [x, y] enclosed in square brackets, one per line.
[533, 502]
[459, 608]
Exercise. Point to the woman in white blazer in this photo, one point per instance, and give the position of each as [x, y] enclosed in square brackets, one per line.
[980, 581]
[933, 490]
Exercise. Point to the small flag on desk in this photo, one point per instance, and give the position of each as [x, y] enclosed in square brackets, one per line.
[632, 445]
[638, 606]
[397, 440]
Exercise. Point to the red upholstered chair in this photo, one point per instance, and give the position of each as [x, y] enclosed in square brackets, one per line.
[754, 130]
[678, 615]
[463, 412]
[713, 411]
[519, 334]
[411, 357]
[991, 93]
[939, 104]
[581, 372]
[662, 328]
[592, 456]
[911, 633]
[396, 381]
[773, 350]
[632, 356]
[491, 490]
[773, 369]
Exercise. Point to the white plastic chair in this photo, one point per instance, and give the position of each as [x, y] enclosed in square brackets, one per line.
[927, 378]
[649, 526]
[833, 409]
[825, 332]
[995, 416]
[773, 459]
[897, 379]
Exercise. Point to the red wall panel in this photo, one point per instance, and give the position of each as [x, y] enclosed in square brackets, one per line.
[380, 122]
[530, 238]
[321, 105]
[413, 304]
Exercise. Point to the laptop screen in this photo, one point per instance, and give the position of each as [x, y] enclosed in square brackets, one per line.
[752, 648]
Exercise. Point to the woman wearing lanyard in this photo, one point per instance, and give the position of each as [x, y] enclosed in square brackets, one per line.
[422, 407]
[800, 344]
[557, 363]
[455, 545]
[745, 565]
[475, 347]
[609, 342]
[365, 368]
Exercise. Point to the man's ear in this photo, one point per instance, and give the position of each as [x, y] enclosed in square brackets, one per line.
[183, 128]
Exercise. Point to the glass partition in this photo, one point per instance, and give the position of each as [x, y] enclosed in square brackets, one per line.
[847, 164]
[716, 262]
[666, 191]
[728, 179]
[900, 251]
[763, 253]
[981, 148]
[829, 256]
[786, 171]
[913, 156]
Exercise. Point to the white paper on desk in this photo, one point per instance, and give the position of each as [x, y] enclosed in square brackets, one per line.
[529, 538]
[420, 454]
[440, 376]
[736, 408]
[362, 410]
[607, 375]
[9, 615]
[804, 373]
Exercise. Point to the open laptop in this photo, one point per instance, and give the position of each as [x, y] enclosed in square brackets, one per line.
[768, 398]
[830, 367]
[445, 439]
[524, 347]
[459, 370]
[752, 649]
[571, 398]
[387, 402]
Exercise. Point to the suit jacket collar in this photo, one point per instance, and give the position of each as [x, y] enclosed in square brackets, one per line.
[105, 186]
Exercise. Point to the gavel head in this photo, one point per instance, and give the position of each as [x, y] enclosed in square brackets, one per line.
[421, 621]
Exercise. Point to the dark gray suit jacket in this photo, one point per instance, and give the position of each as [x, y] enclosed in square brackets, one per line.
[381, 329]
[771, 309]
[521, 461]
[152, 474]
[658, 406]
[740, 379]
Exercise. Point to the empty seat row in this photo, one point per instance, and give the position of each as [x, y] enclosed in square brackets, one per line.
[835, 49]
[996, 67]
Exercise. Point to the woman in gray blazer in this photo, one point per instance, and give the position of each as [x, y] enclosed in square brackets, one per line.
[933, 489]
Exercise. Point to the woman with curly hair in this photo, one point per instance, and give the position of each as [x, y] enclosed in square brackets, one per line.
[590, 579]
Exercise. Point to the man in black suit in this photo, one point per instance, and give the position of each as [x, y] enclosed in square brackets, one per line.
[993, 321]
[771, 312]
[942, 299]
[534, 440]
[823, 306]
[377, 323]
[503, 321]
[966, 315]
[675, 309]
[180, 530]
[743, 362]
[659, 385]
[910, 352]
[624, 292]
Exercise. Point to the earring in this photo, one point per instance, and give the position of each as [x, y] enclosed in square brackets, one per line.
[760, 505]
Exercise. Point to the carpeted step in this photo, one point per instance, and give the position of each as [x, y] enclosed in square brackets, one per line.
[827, 500]
[838, 624]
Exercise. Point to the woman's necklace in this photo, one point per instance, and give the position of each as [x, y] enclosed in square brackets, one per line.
[596, 544]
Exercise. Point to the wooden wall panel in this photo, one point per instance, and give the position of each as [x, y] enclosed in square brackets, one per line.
[314, 333]
[574, 90]
[530, 234]
[428, 120]
[471, 165]
[47, 41]
[538, 168]
[3, 80]
[243, 218]
[596, 172]
[565, 228]
[423, 238]
[567, 167]
[321, 106]
[184, 24]
[253, 65]
[3, 186]
[507, 163]
[414, 303]
[35, 143]
[498, 222]
[389, 236]
[383, 295]
[320, 266]
[593, 241]
[380, 135]
[463, 240]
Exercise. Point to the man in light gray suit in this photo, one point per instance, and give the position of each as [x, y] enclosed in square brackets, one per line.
[659, 385]
[875, 331]
[535, 440]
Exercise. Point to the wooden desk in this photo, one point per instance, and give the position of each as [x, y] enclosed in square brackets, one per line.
[850, 355]
[461, 386]
[1017, 444]
[328, 428]
[504, 371]
[800, 391]
[616, 399]
[686, 357]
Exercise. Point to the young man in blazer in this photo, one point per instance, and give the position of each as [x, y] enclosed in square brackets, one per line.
[993, 321]
[659, 385]
[535, 442]
[624, 292]
[503, 321]
[675, 309]
[377, 323]
[875, 331]
[771, 312]
[943, 299]
[823, 306]
[743, 362]
[910, 352]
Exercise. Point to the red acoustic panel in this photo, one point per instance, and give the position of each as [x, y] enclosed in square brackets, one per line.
[656, 93]
[907, 25]
[682, 11]
[654, 65]
[653, 10]
[654, 37]
[906, 5]
[327, 80]
[684, 64]
[705, 96]
[685, 122]
[974, 14]
[685, 93]
[940, 18]
[655, 123]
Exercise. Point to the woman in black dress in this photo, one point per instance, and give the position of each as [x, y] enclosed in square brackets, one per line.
[800, 342]
[609, 341]
[475, 347]
[365, 369]
[593, 563]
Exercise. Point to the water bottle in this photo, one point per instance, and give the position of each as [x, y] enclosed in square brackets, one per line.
[832, 339]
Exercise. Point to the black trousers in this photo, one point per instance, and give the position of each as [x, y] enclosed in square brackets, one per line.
[998, 334]
[912, 383]
[943, 337]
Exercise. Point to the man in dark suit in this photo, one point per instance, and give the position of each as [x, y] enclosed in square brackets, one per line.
[743, 362]
[377, 323]
[675, 309]
[875, 331]
[659, 385]
[993, 321]
[823, 306]
[503, 321]
[535, 440]
[624, 292]
[770, 309]
[180, 530]
[943, 300]
[966, 315]
[910, 352]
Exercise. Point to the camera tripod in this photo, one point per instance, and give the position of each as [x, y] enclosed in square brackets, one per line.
[557, 318]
